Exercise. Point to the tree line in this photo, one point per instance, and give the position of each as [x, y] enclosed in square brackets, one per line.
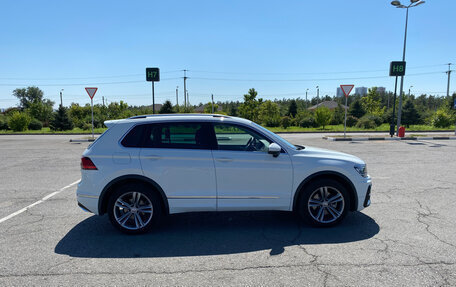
[366, 112]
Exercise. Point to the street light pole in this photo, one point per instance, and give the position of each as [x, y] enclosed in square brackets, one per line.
[413, 3]
[409, 91]
[306, 97]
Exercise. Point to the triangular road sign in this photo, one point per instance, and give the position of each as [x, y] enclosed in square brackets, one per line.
[346, 89]
[91, 91]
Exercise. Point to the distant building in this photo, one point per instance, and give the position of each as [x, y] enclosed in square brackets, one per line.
[340, 93]
[329, 104]
[362, 91]
[381, 90]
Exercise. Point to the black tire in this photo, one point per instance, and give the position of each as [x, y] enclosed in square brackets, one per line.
[335, 202]
[141, 218]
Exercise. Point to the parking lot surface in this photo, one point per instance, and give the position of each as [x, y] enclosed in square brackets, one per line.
[407, 237]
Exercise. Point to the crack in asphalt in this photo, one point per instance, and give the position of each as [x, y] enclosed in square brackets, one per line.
[428, 213]
[439, 263]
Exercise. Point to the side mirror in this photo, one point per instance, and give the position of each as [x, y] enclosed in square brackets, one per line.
[274, 149]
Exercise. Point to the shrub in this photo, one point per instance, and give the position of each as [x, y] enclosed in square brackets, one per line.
[86, 126]
[441, 119]
[366, 123]
[308, 122]
[3, 123]
[35, 125]
[19, 121]
[378, 120]
[285, 122]
[351, 121]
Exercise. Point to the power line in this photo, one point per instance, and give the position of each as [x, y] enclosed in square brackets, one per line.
[84, 78]
[305, 80]
[83, 84]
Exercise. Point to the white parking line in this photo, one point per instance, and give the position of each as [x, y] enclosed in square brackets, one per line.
[38, 202]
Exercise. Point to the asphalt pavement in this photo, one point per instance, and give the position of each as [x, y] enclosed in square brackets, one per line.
[407, 237]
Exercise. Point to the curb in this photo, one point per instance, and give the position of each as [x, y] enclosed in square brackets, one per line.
[388, 139]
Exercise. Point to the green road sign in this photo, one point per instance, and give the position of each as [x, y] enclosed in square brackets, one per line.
[397, 68]
[152, 74]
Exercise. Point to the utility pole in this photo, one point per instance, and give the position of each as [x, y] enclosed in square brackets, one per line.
[185, 88]
[177, 98]
[103, 101]
[449, 73]
[306, 97]
[212, 97]
[318, 95]
[188, 101]
[61, 102]
[448, 91]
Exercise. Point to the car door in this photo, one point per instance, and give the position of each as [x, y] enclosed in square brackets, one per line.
[247, 176]
[177, 155]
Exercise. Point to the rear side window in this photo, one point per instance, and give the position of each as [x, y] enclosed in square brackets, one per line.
[179, 135]
[135, 138]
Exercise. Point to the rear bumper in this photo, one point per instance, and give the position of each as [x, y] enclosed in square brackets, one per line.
[88, 203]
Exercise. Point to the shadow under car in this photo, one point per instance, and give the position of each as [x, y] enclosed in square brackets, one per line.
[203, 233]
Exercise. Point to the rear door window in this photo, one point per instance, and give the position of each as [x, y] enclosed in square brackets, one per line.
[178, 135]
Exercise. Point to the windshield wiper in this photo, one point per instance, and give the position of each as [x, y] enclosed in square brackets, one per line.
[299, 147]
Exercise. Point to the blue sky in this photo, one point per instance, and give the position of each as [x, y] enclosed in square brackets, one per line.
[280, 48]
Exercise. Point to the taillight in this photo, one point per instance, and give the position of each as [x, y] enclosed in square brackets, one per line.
[87, 163]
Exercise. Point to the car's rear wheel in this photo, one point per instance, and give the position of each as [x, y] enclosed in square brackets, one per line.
[324, 203]
[134, 209]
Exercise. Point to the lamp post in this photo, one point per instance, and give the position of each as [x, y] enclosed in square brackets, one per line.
[397, 4]
[306, 97]
[61, 102]
[409, 90]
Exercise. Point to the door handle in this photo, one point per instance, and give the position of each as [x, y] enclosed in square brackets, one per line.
[224, 159]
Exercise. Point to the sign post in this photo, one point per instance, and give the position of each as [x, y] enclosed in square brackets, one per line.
[397, 69]
[153, 75]
[91, 92]
[346, 89]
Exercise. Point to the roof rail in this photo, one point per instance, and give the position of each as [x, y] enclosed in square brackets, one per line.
[177, 115]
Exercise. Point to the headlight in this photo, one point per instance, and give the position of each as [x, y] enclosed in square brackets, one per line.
[361, 169]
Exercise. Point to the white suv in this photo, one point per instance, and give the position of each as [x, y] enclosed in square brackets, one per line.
[145, 167]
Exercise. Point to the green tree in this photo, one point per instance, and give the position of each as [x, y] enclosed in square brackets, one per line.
[41, 111]
[410, 115]
[371, 103]
[293, 108]
[208, 108]
[338, 115]
[19, 121]
[167, 108]
[61, 121]
[356, 109]
[269, 114]
[250, 108]
[28, 95]
[442, 119]
[322, 116]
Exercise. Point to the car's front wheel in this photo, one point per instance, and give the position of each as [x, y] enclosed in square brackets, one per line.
[324, 202]
[133, 208]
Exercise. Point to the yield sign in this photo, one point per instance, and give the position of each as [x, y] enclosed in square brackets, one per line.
[91, 92]
[346, 89]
